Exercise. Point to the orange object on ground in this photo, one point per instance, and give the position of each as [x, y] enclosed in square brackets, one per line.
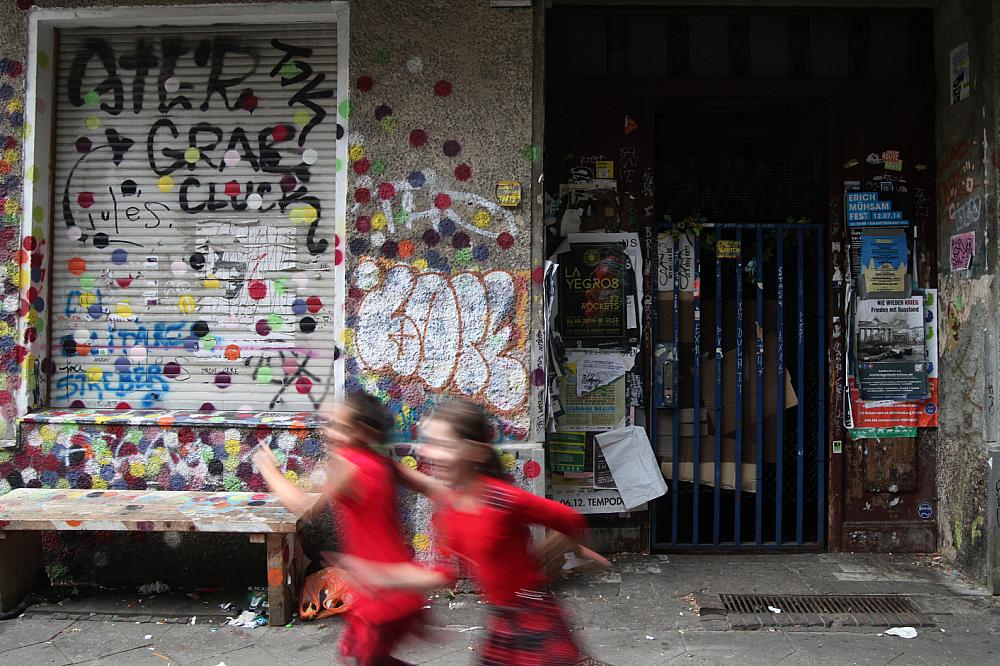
[324, 594]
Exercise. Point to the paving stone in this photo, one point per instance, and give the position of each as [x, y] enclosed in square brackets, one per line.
[716, 624]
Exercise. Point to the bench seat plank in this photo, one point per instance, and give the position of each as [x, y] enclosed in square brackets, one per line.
[142, 510]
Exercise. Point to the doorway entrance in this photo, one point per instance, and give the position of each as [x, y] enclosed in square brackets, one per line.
[740, 348]
[729, 136]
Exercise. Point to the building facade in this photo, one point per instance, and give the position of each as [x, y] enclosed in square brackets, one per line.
[216, 216]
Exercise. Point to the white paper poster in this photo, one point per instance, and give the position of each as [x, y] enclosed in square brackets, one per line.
[632, 464]
[596, 370]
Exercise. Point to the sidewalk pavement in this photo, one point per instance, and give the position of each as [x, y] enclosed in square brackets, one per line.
[640, 613]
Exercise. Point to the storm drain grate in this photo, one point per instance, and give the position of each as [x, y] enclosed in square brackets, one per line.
[834, 604]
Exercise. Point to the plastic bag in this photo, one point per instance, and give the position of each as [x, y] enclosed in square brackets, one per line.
[324, 593]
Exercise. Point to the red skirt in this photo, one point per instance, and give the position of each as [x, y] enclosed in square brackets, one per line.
[367, 644]
[533, 632]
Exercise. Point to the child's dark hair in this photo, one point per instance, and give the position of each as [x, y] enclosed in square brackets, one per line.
[370, 411]
[470, 422]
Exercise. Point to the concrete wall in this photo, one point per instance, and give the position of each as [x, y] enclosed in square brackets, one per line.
[966, 200]
[439, 277]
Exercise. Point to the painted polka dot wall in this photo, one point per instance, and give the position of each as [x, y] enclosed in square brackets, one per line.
[439, 273]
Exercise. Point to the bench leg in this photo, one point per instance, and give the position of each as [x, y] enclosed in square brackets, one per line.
[20, 566]
[280, 593]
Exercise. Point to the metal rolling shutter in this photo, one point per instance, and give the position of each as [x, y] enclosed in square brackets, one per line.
[195, 278]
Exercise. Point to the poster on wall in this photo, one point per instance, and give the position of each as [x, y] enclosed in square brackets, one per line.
[874, 210]
[593, 294]
[884, 264]
[579, 495]
[603, 408]
[888, 418]
[567, 451]
[891, 357]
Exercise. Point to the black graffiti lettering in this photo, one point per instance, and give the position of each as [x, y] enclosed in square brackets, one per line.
[238, 138]
[140, 61]
[132, 213]
[210, 204]
[206, 149]
[270, 157]
[171, 50]
[149, 206]
[301, 196]
[177, 155]
[306, 96]
[111, 83]
[186, 206]
[292, 52]
[216, 52]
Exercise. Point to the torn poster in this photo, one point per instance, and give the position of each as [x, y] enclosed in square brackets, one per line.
[632, 464]
[601, 409]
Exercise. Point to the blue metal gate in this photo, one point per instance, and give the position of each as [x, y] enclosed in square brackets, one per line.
[741, 429]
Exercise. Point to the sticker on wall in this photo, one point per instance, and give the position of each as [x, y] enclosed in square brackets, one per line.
[630, 125]
[963, 249]
[509, 193]
[925, 510]
[961, 85]
[728, 249]
[604, 169]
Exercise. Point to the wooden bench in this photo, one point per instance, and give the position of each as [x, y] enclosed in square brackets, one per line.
[25, 513]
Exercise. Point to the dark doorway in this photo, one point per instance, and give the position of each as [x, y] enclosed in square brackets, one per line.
[743, 325]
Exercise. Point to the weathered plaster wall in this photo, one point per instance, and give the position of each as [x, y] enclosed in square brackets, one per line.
[966, 201]
[439, 275]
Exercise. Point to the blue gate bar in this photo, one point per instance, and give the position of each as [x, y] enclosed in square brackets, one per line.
[738, 484]
[800, 371]
[696, 477]
[779, 435]
[677, 393]
[759, 350]
[719, 293]
[821, 396]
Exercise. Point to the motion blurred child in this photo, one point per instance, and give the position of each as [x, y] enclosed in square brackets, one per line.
[485, 520]
[363, 484]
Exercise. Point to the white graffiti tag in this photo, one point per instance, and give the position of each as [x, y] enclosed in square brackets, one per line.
[451, 331]
[422, 197]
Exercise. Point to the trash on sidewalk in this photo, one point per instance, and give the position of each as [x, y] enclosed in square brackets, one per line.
[154, 588]
[324, 594]
[774, 609]
[256, 598]
[247, 619]
[902, 632]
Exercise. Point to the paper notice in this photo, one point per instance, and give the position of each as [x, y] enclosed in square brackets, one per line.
[596, 370]
[633, 465]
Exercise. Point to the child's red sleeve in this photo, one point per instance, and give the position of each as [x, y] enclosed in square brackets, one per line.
[442, 559]
[535, 510]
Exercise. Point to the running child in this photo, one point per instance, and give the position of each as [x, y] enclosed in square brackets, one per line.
[363, 484]
[485, 520]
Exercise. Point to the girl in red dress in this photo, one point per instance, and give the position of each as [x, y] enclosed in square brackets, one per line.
[363, 483]
[484, 520]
